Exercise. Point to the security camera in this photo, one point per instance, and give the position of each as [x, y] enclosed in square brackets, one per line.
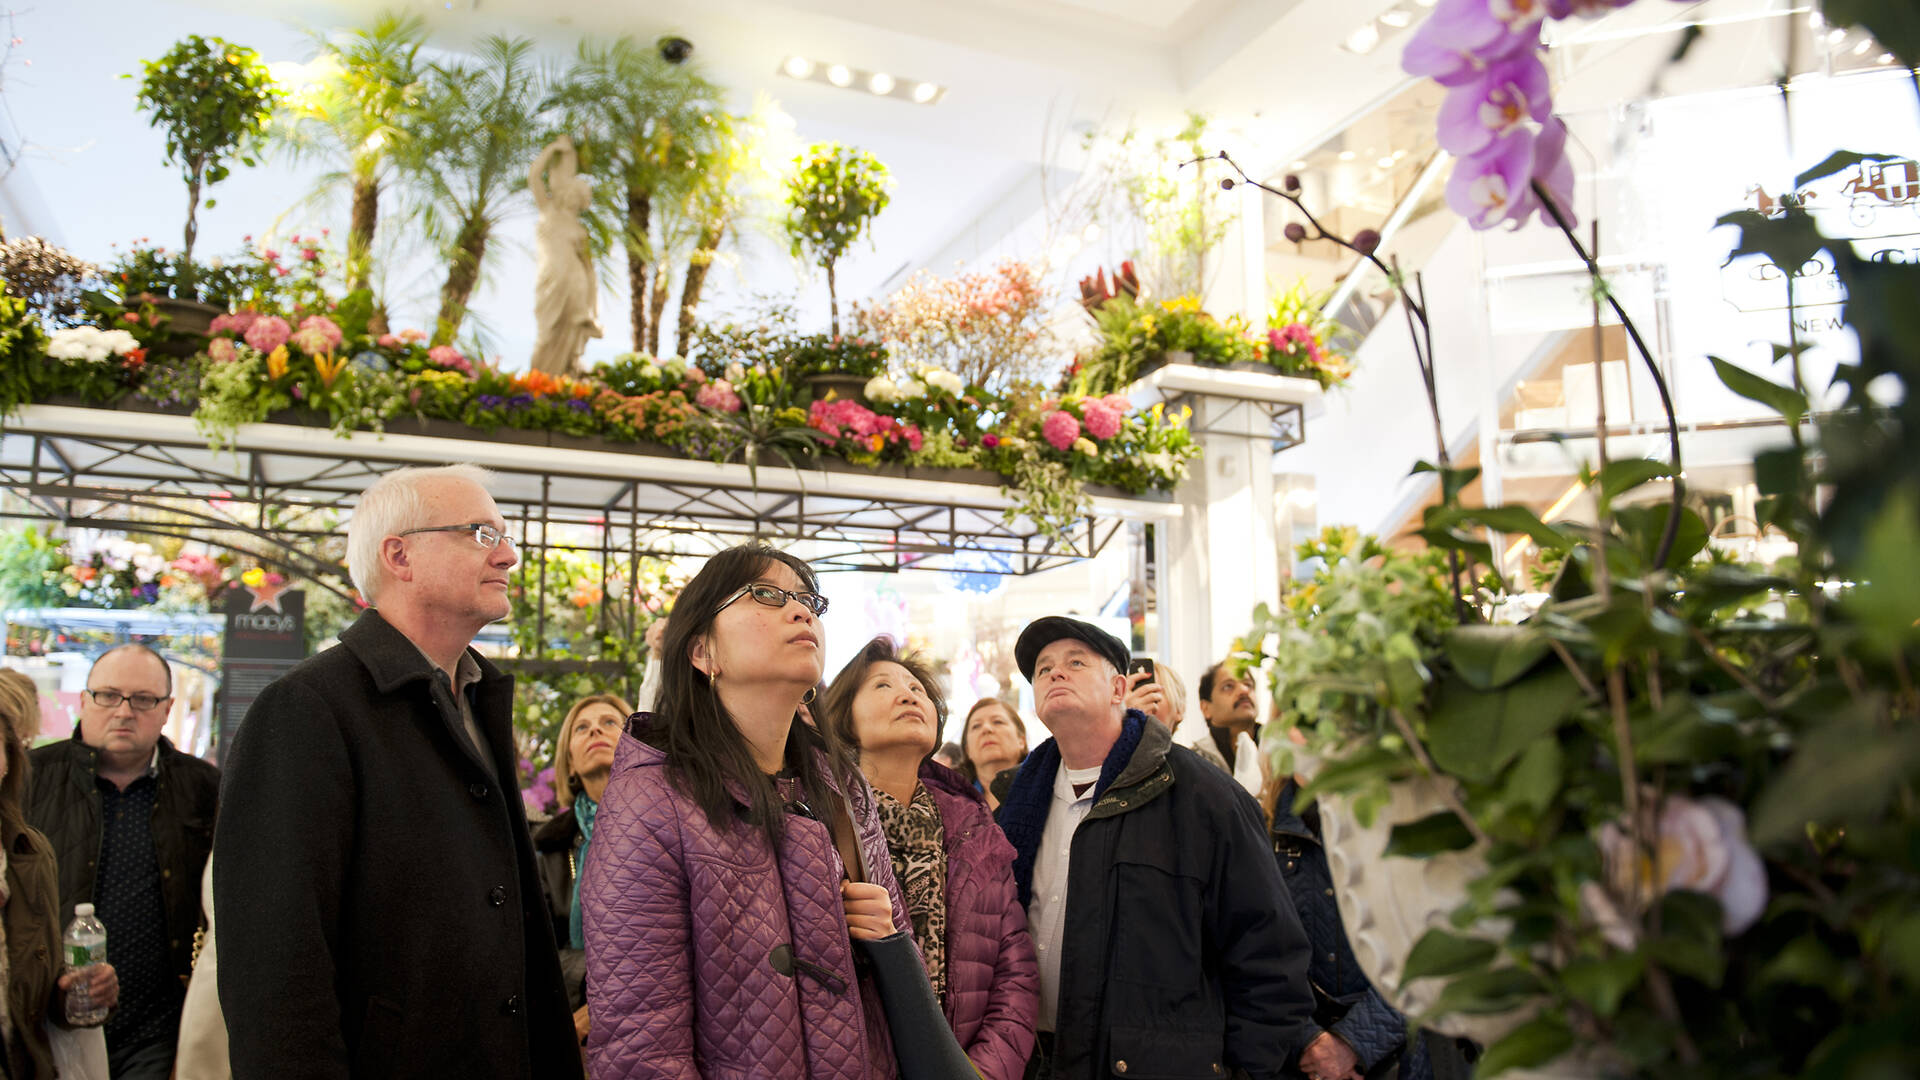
[675, 49]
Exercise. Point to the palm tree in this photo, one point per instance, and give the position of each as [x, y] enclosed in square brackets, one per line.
[640, 120]
[724, 170]
[464, 153]
[354, 118]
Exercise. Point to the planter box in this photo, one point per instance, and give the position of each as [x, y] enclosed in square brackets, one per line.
[1185, 359]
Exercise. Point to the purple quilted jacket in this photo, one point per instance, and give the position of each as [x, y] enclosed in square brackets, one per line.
[686, 922]
[993, 980]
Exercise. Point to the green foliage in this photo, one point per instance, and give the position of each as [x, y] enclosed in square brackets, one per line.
[834, 195]
[1133, 332]
[214, 100]
[23, 347]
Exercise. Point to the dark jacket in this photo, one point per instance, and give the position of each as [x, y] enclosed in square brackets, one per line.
[556, 844]
[33, 953]
[993, 978]
[1345, 1002]
[1181, 954]
[63, 801]
[380, 914]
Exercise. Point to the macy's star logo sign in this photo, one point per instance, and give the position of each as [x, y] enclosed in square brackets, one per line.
[267, 595]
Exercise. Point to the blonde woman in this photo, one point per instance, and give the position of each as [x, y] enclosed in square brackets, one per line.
[582, 761]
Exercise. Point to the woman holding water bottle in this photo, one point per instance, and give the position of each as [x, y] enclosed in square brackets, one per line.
[30, 908]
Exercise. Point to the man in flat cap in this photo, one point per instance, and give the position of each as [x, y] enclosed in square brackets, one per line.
[1167, 943]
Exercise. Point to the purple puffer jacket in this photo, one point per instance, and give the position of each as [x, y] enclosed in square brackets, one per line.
[993, 980]
[683, 924]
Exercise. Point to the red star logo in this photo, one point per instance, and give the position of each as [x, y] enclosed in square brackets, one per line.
[267, 596]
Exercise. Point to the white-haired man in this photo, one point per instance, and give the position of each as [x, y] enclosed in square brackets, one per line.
[380, 910]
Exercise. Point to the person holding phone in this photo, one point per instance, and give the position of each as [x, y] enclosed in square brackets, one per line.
[737, 853]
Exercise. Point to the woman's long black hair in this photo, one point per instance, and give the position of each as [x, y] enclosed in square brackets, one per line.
[704, 746]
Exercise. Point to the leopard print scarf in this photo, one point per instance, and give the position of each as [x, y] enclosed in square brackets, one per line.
[916, 842]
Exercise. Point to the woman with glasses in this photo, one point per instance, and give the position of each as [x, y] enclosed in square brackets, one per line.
[952, 862]
[736, 854]
[582, 761]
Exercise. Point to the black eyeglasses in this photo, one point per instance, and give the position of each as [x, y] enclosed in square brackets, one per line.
[483, 534]
[773, 596]
[111, 699]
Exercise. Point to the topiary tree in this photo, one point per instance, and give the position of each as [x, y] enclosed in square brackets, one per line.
[834, 195]
[214, 100]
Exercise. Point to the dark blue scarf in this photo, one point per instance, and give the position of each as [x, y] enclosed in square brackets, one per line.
[1023, 816]
[584, 810]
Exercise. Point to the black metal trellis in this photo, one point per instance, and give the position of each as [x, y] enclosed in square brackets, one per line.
[275, 487]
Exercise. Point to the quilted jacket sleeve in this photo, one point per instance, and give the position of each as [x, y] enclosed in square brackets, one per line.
[1005, 1039]
[634, 904]
[1373, 1028]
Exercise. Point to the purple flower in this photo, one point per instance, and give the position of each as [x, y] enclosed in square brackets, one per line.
[1491, 186]
[578, 405]
[489, 401]
[520, 401]
[1552, 168]
[1462, 37]
[1500, 100]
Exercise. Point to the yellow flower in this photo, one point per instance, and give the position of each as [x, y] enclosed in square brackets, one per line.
[254, 578]
[329, 368]
[277, 362]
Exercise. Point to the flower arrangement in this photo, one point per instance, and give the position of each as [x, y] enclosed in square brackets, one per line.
[1133, 332]
[1299, 338]
[989, 328]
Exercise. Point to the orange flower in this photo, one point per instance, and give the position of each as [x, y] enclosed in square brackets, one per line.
[277, 362]
[876, 442]
[329, 368]
[536, 383]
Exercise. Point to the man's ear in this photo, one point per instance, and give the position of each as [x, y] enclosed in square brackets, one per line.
[1119, 686]
[1206, 710]
[700, 656]
[395, 559]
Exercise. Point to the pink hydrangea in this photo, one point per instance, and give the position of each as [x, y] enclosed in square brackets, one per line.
[914, 438]
[1060, 429]
[719, 395]
[1102, 422]
[222, 350]
[325, 326]
[448, 357]
[843, 416]
[1118, 403]
[268, 333]
[387, 341]
[238, 322]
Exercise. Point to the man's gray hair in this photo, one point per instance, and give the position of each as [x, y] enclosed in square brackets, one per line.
[391, 506]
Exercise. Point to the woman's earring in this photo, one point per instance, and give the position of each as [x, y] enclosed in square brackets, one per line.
[807, 698]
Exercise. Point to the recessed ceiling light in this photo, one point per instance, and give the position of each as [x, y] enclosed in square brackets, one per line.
[1814, 20]
[1300, 164]
[798, 67]
[1346, 155]
[1398, 154]
[1386, 163]
[838, 75]
[1834, 35]
[1398, 18]
[1861, 49]
[1884, 58]
[880, 83]
[1364, 40]
[925, 92]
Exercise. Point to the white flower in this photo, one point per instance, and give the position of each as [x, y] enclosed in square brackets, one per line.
[913, 388]
[1159, 461]
[89, 343]
[945, 380]
[881, 388]
[649, 371]
[217, 262]
[1701, 847]
[736, 372]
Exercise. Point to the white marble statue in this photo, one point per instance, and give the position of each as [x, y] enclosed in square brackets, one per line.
[566, 291]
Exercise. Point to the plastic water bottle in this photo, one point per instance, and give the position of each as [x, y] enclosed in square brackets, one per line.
[85, 945]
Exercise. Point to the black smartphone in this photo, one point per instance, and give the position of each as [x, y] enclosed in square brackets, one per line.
[1144, 663]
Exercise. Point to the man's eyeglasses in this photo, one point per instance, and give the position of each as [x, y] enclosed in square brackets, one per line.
[111, 699]
[485, 535]
[774, 596]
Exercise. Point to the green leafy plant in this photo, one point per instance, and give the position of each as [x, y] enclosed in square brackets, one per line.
[835, 194]
[214, 100]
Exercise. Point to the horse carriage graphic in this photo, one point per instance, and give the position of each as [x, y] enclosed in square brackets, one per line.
[1882, 185]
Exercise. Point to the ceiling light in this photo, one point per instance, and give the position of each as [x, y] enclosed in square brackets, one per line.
[1398, 154]
[1398, 18]
[1363, 40]
[1346, 155]
[1814, 20]
[1834, 35]
[1386, 163]
[797, 67]
[838, 75]
[880, 83]
[1300, 164]
[1426, 3]
[925, 92]
[1092, 232]
[1861, 49]
[1884, 58]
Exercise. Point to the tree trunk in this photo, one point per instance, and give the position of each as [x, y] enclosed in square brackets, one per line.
[639, 211]
[463, 274]
[366, 216]
[697, 266]
[657, 310]
[187, 284]
[833, 303]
